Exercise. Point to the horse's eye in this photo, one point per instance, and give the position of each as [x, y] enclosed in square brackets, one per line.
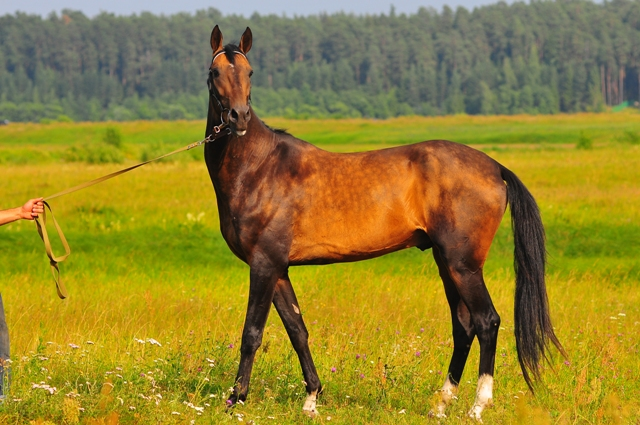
[250, 74]
[215, 73]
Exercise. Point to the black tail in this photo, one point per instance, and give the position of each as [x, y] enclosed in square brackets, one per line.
[533, 329]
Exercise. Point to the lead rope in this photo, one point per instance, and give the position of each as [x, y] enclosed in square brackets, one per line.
[218, 131]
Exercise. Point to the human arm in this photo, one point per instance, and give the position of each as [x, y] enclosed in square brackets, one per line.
[30, 210]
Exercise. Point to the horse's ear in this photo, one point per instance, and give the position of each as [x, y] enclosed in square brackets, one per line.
[245, 41]
[216, 39]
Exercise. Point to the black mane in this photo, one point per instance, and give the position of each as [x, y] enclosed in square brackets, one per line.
[276, 130]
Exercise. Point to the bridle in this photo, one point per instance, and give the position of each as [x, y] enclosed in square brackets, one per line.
[213, 94]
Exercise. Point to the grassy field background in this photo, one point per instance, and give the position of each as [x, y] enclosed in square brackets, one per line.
[151, 330]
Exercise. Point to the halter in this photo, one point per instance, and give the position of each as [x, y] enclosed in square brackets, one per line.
[213, 93]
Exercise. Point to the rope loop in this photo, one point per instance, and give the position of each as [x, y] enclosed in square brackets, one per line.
[41, 222]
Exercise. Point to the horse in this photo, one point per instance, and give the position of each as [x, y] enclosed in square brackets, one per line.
[283, 202]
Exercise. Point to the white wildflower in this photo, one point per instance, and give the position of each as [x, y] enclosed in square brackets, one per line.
[43, 386]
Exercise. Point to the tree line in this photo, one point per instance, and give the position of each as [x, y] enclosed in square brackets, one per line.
[543, 57]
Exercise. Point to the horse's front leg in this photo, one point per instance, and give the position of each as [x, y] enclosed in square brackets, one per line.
[288, 308]
[264, 275]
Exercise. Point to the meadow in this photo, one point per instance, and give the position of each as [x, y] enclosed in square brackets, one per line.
[151, 330]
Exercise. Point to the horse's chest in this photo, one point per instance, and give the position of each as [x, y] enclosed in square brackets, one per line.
[229, 228]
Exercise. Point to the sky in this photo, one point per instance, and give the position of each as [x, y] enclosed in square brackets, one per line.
[246, 8]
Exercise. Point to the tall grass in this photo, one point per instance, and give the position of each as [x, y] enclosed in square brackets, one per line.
[151, 330]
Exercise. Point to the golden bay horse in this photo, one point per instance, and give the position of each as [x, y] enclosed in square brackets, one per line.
[284, 202]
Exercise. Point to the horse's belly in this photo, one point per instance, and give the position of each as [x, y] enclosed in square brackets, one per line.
[353, 244]
[350, 225]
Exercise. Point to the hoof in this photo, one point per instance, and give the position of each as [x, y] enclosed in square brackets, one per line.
[475, 413]
[310, 413]
[438, 415]
[309, 407]
[442, 399]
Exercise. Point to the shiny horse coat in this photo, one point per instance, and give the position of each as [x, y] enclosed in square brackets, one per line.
[284, 202]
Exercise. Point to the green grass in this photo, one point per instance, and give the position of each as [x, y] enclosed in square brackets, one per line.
[148, 262]
[29, 143]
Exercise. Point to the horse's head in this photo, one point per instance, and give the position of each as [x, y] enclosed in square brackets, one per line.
[230, 81]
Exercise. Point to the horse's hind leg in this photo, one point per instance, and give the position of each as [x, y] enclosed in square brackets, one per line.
[289, 310]
[463, 335]
[474, 314]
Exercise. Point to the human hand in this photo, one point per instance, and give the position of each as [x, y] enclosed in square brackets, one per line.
[32, 209]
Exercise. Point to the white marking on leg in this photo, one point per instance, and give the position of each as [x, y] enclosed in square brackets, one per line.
[296, 309]
[447, 394]
[309, 407]
[484, 397]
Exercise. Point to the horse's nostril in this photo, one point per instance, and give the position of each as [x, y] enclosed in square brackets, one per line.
[234, 115]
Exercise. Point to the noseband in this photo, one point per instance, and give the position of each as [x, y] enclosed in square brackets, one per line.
[213, 93]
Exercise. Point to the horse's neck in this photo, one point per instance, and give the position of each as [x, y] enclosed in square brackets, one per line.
[231, 159]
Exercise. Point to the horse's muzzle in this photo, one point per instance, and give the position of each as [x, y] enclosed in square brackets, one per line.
[239, 118]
